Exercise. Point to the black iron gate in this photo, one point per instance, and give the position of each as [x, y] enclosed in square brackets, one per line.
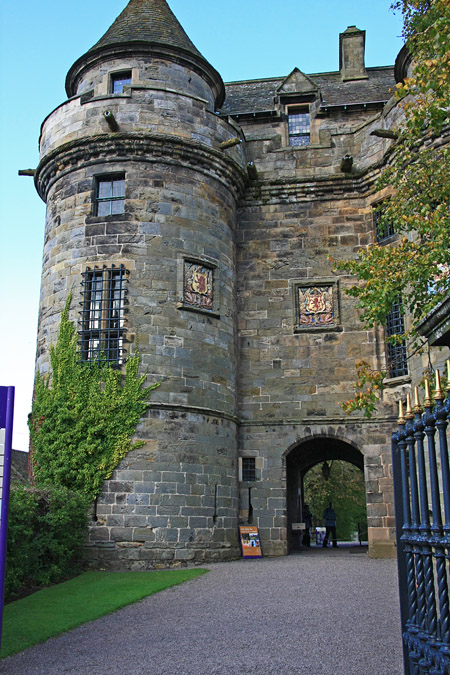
[422, 508]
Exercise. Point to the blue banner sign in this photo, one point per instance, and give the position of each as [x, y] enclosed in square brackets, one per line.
[6, 428]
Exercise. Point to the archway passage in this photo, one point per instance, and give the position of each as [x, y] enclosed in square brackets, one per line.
[300, 460]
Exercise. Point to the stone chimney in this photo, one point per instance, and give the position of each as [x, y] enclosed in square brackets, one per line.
[351, 54]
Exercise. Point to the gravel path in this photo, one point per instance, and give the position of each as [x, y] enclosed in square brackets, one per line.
[320, 612]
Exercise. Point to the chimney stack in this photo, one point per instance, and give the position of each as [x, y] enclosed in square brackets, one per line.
[351, 54]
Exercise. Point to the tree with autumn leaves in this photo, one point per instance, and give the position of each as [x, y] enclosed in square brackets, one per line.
[416, 266]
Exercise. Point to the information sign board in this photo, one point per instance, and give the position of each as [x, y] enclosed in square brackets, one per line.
[250, 543]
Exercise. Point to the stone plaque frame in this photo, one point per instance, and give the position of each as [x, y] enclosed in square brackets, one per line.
[314, 301]
[197, 285]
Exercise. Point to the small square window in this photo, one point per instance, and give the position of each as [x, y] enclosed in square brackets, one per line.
[119, 80]
[110, 195]
[299, 126]
[248, 469]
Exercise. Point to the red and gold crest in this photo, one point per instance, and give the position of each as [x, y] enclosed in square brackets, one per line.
[315, 302]
[198, 285]
[200, 282]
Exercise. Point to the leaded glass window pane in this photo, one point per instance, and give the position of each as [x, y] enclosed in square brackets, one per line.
[299, 128]
[117, 206]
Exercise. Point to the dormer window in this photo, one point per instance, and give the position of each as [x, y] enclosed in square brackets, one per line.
[119, 80]
[299, 126]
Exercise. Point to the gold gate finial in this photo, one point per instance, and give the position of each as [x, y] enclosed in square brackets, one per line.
[401, 419]
[438, 394]
[417, 409]
[427, 402]
[409, 413]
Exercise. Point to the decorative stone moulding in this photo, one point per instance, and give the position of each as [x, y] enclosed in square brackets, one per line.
[137, 147]
[316, 305]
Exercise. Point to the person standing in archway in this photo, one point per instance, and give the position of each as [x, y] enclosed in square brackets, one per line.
[329, 516]
[307, 519]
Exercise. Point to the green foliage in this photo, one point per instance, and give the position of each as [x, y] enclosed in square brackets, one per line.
[49, 612]
[417, 177]
[345, 488]
[83, 421]
[368, 387]
[47, 527]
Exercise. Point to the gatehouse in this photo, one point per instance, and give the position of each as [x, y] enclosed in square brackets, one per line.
[198, 222]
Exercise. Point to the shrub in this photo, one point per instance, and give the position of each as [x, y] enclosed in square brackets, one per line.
[84, 417]
[47, 528]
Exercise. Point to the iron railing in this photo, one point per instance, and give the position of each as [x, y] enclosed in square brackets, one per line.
[422, 505]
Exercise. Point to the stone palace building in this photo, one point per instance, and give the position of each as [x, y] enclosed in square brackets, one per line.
[197, 221]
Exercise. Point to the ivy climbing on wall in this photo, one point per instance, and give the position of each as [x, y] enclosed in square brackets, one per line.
[84, 416]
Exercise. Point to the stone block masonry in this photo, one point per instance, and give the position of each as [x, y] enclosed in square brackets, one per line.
[227, 229]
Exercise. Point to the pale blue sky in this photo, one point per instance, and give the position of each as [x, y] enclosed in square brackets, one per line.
[39, 41]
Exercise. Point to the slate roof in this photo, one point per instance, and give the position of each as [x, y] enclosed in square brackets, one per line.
[147, 21]
[147, 25]
[258, 95]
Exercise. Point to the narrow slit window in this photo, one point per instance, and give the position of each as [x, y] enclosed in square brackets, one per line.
[248, 469]
[103, 314]
[110, 195]
[119, 81]
[299, 126]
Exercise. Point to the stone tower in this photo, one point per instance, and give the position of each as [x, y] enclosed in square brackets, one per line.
[141, 217]
[195, 221]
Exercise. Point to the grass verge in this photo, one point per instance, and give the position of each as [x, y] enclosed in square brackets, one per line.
[55, 610]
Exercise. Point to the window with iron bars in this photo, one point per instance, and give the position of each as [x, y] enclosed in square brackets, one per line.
[103, 314]
[396, 357]
[248, 469]
[299, 126]
[382, 230]
[110, 195]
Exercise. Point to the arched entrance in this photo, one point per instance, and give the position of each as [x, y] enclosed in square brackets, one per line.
[300, 459]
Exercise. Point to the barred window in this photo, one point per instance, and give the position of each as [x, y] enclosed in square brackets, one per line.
[102, 317]
[119, 80]
[382, 230]
[248, 469]
[396, 356]
[110, 195]
[299, 126]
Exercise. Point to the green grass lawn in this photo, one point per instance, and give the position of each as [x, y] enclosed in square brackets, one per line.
[57, 609]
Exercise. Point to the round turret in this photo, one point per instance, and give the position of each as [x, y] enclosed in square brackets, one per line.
[141, 183]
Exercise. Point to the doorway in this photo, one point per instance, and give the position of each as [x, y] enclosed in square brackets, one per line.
[321, 470]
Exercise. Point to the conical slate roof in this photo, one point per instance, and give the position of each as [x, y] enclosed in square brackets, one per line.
[147, 21]
[147, 26]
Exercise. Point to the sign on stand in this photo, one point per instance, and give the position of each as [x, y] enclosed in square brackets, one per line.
[250, 544]
[6, 427]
